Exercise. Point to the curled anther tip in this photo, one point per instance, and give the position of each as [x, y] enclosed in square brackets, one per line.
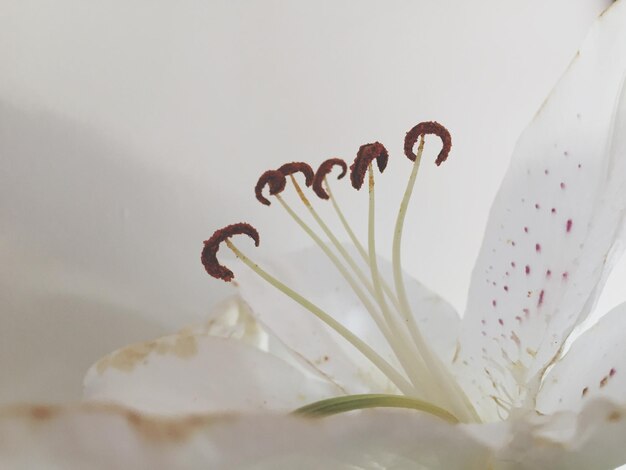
[289, 169]
[428, 127]
[212, 245]
[366, 154]
[276, 182]
[324, 169]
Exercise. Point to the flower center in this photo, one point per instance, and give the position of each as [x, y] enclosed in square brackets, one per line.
[421, 374]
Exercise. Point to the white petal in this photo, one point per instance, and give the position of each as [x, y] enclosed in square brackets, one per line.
[110, 437]
[311, 274]
[550, 238]
[195, 372]
[595, 366]
[593, 439]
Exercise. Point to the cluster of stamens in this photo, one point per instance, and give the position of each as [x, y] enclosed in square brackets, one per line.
[421, 375]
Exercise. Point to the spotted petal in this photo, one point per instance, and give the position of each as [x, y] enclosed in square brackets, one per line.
[553, 228]
[230, 364]
[311, 274]
[595, 366]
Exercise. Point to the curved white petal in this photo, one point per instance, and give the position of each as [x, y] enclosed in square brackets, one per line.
[312, 275]
[193, 371]
[591, 439]
[551, 235]
[111, 437]
[595, 366]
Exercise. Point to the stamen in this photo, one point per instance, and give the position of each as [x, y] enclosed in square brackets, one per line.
[428, 127]
[357, 243]
[427, 375]
[324, 169]
[275, 180]
[441, 375]
[289, 169]
[401, 338]
[212, 245]
[406, 358]
[364, 157]
[387, 369]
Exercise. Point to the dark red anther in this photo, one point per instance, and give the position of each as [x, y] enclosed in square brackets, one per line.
[324, 169]
[209, 252]
[428, 127]
[366, 154]
[272, 178]
[298, 167]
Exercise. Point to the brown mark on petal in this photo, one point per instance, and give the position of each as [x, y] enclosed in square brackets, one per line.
[276, 182]
[151, 428]
[289, 169]
[182, 345]
[42, 412]
[366, 154]
[428, 127]
[324, 169]
[209, 252]
[614, 416]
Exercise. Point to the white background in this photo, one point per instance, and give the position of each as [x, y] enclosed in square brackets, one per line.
[130, 130]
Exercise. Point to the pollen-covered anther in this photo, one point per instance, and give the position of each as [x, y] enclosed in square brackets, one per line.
[276, 182]
[324, 169]
[428, 127]
[212, 245]
[289, 169]
[366, 154]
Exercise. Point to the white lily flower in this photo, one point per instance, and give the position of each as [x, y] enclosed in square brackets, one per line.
[495, 388]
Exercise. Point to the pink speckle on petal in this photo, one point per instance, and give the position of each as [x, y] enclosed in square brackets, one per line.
[501, 321]
[565, 275]
[546, 171]
[553, 210]
[562, 185]
[493, 302]
[512, 264]
[537, 247]
[527, 269]
[526, 312]
[568, 225]
[612, 372]
[540, 301]
[537, 206]
[548, 273]
[526, 229]
[506, 288]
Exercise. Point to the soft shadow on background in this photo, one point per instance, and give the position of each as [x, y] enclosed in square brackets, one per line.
[77, 216]
[129, 131]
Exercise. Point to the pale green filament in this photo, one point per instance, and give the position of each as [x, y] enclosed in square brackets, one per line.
[338, 246]
[386, 368]
[388, 291]
[446, 383]
[400, 334]
[406, 359]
